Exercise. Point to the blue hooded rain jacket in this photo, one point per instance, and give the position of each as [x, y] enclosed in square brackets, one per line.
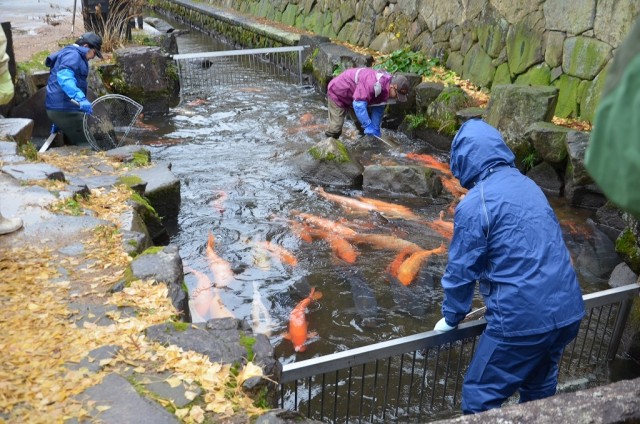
[507, 239]
[67, 79]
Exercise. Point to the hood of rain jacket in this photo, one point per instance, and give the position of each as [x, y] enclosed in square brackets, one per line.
[73, 58]
[507, 240]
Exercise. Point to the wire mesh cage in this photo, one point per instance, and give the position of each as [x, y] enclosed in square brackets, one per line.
[109, 125]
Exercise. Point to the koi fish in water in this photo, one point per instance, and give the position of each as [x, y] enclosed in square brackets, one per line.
[217, 308]
[298, 325]
[450, 183]
[307, 119]
[221, 269]
[261, 319]
[431, 162]
[279, 252]
[326, 224]
[409, 269]
[202, 295]
[339, 246]
[391, 210]
[440, 226]
[345, 202]
[218, 202]
[386, 242]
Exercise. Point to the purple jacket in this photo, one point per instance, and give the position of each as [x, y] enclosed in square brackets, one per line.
[343, 90]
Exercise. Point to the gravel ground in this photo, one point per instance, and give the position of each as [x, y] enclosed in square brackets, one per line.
[38, 25]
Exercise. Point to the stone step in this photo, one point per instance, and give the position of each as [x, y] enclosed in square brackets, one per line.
[18, 130]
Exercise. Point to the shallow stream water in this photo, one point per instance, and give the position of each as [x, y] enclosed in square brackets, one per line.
[233, 150]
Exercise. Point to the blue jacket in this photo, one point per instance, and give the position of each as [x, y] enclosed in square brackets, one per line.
[67, 78]
[507, 239]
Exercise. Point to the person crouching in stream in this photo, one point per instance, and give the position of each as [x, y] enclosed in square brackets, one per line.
[363, 92]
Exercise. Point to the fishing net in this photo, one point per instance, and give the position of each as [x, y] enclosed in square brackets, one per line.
[113, 117]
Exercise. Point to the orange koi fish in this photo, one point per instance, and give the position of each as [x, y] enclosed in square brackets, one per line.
[398, 260]
[431, 162]
[279, 252]
[301, 230]
[307, 119]
[452, 185]
[391, 210]
[440, 226]
[343, 249]
[382, 241]
[339, 246]
[411, 266]
[221, 269]
[298, 325]
[202, 295]
[344, 201]
[326, 224]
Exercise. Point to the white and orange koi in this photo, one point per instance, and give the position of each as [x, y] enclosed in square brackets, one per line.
[222, 272]
[202, 295]
[279, 252]
[218, 202]
[346, 202]
[261, 319]
[409, 269]
[298, 325]
[326, 224]
[391, 210]
[217, 308]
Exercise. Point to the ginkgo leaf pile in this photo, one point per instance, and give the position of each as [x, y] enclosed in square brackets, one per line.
[41, 338]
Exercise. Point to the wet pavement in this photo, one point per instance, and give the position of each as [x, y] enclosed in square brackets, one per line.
[29, 15]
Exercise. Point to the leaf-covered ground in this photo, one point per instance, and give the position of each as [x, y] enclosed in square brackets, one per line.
[41, 337]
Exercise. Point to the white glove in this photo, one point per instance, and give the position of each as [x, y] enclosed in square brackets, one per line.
[442, 327]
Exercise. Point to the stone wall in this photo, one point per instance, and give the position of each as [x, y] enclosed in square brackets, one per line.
[567, 44]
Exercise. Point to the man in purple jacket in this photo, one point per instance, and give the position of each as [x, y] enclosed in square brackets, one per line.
[363, 92]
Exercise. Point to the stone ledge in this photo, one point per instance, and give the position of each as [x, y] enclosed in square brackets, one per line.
[615, 403]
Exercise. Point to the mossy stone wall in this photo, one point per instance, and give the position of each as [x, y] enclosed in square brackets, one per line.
[489, 42]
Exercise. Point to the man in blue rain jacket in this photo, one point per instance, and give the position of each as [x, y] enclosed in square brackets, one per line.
[66, 100]
[507, 240]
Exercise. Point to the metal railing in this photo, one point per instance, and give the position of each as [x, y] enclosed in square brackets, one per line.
[200, 73]
[419, 378]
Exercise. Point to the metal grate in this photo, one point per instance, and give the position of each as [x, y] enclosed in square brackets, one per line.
[203, 72]
[419, 378]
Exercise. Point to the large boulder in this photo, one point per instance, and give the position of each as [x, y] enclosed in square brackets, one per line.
[164, 266]
[147, 75]
[513, 108]
[329, 163]
[401, 181]
[330, 57]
